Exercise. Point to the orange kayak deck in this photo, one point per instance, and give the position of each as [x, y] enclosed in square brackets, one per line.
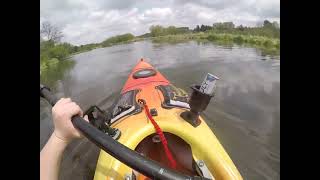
[132, 83]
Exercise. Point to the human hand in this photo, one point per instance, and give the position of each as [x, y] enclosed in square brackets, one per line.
[62, 112]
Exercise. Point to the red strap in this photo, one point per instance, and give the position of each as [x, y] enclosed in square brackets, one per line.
[173, 163]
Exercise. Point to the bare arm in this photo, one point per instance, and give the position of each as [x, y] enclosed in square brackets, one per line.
[64, 132]
[50, 158]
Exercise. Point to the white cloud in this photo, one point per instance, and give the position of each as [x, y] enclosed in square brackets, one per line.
[84, 21]
[158, 13]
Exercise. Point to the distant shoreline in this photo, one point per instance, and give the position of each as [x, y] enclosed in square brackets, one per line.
[259, 42]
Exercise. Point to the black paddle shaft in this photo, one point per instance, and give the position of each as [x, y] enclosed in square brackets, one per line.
[147, 167]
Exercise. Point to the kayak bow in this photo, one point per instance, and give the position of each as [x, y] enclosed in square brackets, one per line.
[195, 149]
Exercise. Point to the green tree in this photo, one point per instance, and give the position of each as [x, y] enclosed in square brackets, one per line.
[228, 25]
[241, 28]
[267, 24]
[197, 29]
[117, 39]
[181, 30]
[171, 30]
[58, 52]
[223, 25]
[156, 30]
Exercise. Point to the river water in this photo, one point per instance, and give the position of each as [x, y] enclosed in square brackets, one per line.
[244, 114]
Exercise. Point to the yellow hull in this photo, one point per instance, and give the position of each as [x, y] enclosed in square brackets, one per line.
[203, 142]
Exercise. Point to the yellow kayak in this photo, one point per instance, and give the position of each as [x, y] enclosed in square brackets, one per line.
[194, 148]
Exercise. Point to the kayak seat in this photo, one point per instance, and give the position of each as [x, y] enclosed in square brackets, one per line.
[152, 148]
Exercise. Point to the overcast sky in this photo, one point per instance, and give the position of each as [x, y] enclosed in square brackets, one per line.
[89, 21]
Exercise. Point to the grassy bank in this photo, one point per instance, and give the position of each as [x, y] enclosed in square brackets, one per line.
[266, 37]
[119, 39]
[51, 54]
[240, 39]
[266, 44]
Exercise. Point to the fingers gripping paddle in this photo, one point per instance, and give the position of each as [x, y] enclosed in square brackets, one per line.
[134, 160]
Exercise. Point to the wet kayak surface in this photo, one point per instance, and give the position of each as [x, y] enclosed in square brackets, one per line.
[244, 114]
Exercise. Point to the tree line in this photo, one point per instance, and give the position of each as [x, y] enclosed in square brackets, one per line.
[158, 30]
[268, 29]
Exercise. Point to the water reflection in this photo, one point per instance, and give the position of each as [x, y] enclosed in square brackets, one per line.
[58, 72]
